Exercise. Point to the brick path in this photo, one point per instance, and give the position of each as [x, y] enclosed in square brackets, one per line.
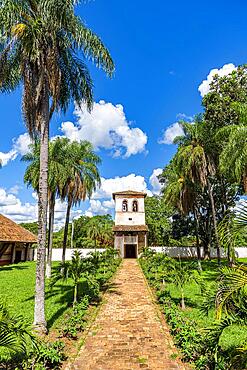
[128, 333]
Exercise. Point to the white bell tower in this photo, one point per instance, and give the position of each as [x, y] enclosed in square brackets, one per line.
[130, 228]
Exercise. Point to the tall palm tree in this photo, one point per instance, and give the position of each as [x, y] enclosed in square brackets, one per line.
[233, 157]
[40, 41]
[81, 181]
[58, 165]
[181, 193]
[197, 165]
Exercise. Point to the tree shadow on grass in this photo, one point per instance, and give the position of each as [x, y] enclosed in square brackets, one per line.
[13, 267]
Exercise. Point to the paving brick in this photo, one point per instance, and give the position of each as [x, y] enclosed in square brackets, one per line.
[128, 333]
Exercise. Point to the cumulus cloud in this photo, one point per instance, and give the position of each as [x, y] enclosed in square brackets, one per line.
[14, 189]
[154, 181]
[224, 71]
[20, 146]
[96, 208]
[11, 206]
[171, 132]
[129, 182]
[106, 127]
[102, 203]
[6, 157]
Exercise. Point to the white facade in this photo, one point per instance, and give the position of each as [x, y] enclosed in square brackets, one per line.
[128, 216]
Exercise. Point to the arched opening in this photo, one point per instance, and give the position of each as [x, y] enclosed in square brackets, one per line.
[135, 206]
[125, 206]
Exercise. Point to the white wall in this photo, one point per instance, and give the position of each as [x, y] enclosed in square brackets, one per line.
[182, 252]
[57, 253]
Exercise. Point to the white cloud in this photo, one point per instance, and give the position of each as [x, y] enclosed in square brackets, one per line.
[102, 203]
[129, 182]
[60, 213]
[154, 182]
[12, 207]
[6, 157]
[224, 71]
[171, 132]
[21, 144]
[96, 208]
[14, 189]
[106, 127]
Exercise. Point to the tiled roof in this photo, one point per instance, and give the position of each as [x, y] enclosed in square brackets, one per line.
[12, 232]
[130, 228]
[129, 192]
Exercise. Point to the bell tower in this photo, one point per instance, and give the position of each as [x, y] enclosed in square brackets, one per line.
[130, 230]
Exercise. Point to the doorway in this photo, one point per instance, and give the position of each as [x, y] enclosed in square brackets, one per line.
[130, 251]
[18, 255]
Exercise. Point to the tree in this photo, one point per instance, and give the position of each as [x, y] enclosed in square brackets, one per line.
[182, 275]
[82, 237]
[15, 336]
[81, 182]
[94, 231]
[233, 157]
[58, 165]
[31, 226]
[158, 213]
[194, 160]
[180, 192]
[74, 269]
[40, 41]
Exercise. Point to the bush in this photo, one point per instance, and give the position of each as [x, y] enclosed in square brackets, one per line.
[77, 321]
[47, 356]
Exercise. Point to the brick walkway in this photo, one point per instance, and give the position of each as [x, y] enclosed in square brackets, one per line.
[128, 333]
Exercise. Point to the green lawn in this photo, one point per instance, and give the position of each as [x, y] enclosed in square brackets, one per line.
[17, 289]
[233, 336]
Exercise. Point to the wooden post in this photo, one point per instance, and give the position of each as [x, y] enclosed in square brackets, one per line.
[13, 253]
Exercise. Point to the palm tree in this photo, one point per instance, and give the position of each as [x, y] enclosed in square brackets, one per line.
[233, 157]
[196, 164]
[107, 234]
[58, 165]
[40, 41]
[181, 193]
[94, 231]
[15, 335]
[74, 269]
[81, 181]
[182, 274]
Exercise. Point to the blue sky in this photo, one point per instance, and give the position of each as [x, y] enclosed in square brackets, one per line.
[162, 51]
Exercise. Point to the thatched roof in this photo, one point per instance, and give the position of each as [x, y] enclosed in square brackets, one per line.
[130, 228]
[130, 193]
[12, 232]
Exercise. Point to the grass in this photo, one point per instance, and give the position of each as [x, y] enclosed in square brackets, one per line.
[233, 336]
[17, 283]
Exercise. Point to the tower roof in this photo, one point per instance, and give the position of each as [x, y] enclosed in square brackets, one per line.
[130, 193]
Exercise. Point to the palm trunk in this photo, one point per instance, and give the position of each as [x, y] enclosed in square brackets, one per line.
[198, 251]
[182, 300]
[39, 302]
[75, 295]
[66, 228]
[214, 221]
[207, 252]
[50, 235]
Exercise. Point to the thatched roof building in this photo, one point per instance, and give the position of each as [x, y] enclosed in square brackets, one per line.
[15, 242]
